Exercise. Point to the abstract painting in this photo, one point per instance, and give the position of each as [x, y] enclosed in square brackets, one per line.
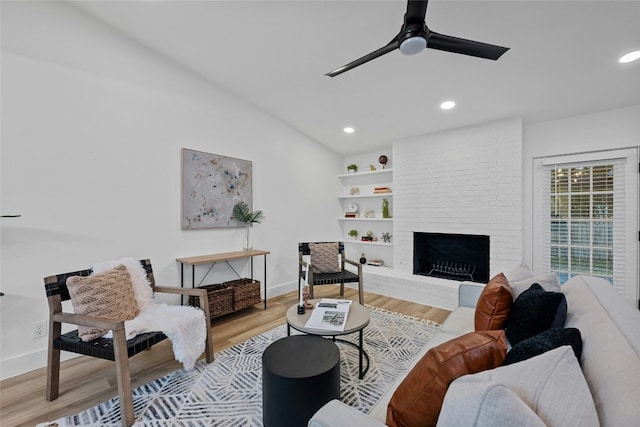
[211, 186]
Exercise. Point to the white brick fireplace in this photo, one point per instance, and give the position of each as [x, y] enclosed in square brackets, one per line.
[466, 181]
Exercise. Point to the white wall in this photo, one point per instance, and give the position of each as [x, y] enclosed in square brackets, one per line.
[92, 127]
[607, 130]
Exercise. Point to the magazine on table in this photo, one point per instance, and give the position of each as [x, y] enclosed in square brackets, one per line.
[329, 314]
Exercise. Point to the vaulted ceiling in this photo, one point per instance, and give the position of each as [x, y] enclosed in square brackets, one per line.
[563, 60]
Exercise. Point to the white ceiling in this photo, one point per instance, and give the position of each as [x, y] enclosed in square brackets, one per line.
[562, 62]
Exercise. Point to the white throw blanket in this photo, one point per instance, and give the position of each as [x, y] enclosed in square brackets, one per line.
[185, 326]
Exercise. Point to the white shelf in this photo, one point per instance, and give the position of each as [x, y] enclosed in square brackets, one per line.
[360, 242]
[363, 196]
[383, 270]
[365, 219]
[368, 173]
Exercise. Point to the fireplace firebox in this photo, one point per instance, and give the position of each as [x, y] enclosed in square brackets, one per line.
[462, 257]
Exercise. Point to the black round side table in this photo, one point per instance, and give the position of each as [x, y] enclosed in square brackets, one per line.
[300, 374]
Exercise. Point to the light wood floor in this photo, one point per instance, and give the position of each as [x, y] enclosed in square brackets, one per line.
[87, 381]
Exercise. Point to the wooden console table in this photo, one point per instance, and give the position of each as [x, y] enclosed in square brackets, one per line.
[226, 257]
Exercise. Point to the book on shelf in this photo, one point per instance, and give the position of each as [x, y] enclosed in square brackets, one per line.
[375, 262]
[352, 215]
[381, 190]
[329, 314]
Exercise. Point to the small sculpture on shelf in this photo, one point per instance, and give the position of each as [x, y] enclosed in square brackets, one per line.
[369, 237]
[386, 237]
[369, 213]
[372, 168]
[383, 161]
[354, 191]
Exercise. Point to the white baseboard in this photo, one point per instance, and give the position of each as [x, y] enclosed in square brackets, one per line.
[28, 362]
[281, 289]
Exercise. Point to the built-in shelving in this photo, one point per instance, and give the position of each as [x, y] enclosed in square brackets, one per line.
[367, 200]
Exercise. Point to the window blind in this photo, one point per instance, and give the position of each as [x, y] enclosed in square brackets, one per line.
[583, 208]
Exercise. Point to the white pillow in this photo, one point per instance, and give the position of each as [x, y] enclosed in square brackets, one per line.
[519, 273]
[141, 285]
[548, 281]
[551, 384]
[335, 413]
[479, 405]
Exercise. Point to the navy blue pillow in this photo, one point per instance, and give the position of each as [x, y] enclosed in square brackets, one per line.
[545, 341]
[534, 311]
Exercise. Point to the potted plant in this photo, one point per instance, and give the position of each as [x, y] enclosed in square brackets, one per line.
[351, 168]
[353, 234]
[241, 213]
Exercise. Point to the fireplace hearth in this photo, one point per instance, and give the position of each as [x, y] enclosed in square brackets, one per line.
[461, 257]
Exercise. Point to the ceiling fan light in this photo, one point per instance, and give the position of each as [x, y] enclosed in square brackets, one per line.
[630, 57]
[413, 45]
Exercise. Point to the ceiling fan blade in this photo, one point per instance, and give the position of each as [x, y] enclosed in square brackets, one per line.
[393, 45]
[464, 46]
[416, 11]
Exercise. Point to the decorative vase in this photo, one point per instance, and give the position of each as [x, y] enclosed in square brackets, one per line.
[247, 242]
[363, 260]
[385, 208]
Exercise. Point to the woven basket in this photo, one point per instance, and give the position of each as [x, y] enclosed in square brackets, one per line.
[220, 298]
[246, 292]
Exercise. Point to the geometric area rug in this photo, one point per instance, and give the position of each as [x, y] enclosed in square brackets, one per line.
[228, 391]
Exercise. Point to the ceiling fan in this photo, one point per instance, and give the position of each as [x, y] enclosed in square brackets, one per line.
[414, 36]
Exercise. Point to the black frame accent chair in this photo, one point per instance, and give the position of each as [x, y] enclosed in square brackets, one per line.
[342, 276]
[118, 348]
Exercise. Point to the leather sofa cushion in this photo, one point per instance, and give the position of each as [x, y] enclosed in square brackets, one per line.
[418, 399]
[494, 304]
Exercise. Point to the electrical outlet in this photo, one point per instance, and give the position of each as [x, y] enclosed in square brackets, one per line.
[39, 329]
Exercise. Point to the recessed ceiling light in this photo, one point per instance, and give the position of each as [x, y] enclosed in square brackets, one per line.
[630, 57]
[447, 105]
[348, 130]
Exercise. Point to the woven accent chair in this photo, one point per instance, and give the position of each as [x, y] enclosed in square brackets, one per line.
[117, 349]
[341, 275]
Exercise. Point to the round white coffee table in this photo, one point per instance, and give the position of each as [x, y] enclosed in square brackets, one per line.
[357, 320]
